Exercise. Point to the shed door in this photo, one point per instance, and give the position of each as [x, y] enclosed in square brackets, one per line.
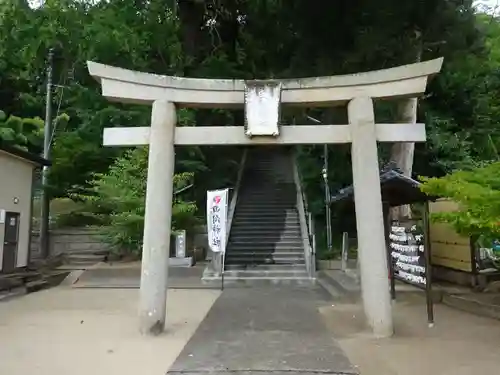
[10, 241]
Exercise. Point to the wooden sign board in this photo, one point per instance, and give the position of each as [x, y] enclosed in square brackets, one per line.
[409, 258]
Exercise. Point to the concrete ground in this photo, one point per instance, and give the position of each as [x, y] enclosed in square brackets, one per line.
[92, 329]
[64, 331]
[458, 344]
[264, 330]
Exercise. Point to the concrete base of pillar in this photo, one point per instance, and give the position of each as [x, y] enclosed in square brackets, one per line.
[181, 262]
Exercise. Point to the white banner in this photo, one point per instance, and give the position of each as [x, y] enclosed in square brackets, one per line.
[217, 202]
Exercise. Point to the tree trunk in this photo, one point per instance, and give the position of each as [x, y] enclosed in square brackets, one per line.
[402, 152]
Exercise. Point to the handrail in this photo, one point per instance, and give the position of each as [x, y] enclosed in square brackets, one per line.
[219, 263]
[234, 198]
[306, 223]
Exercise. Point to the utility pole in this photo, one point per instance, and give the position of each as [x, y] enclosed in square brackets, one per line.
[327, 200]
[324, 173]
[45, 209]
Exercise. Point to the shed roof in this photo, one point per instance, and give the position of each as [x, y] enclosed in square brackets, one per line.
[396, 188]
[10, 149]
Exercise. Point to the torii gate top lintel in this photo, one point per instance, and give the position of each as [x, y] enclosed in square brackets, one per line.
[144, 88]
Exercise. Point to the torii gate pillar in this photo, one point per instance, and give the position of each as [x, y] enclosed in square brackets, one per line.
[369, 217]
[157, 219]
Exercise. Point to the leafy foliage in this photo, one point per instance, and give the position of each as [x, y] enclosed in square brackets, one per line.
[478, 194]
[116, 199]
[26, 133]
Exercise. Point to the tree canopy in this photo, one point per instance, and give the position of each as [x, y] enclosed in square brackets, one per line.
[245, 39]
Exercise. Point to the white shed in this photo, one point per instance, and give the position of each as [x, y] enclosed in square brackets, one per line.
[17, 169]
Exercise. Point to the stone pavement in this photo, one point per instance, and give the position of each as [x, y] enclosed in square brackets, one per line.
[269, 330]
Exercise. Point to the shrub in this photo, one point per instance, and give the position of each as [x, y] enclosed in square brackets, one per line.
[477, 193]
[117, 198]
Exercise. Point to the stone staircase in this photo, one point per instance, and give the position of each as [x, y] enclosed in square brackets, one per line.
[82, 259]
[265, 243]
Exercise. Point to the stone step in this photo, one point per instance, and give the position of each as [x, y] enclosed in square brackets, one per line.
[286, 194]
[276, 228]
[269, 231]
[231, 282]
[245, 239]
[8, 294]
[269, 163]
[8, 283]
[256, 225]
[286, 253]
[269, 167]
[264, 260]
[339, 284]
[265, 267]
[263, 229]
[36, 285]
[83, 259]
[279, 216]
[278, 225]
[267, 207]
[252, 219]
[266, 241]
[242, 239]
[267, 202]
[89, 252]
[242, 218]
[266, 211]
[264, 185]
[265, 248]
[267, 273]
[96, 257]
[291, 254]
[268, 173]
[252, 212]
[276, 235]
[272, 179]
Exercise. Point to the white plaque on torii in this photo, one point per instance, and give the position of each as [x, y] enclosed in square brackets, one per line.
[262, 108]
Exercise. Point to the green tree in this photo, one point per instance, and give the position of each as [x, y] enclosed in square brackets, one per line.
[249, 39]
[116, 200]
[26, 133]
[477, 193]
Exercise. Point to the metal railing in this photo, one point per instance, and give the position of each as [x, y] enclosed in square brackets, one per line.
[306, 222]
[218, 259]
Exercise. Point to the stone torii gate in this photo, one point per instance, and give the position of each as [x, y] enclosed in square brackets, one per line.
[262, 100]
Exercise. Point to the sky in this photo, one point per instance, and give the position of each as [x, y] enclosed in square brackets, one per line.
[493, 4]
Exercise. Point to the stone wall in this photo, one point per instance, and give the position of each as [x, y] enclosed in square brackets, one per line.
[66, 241]
[73, 240]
